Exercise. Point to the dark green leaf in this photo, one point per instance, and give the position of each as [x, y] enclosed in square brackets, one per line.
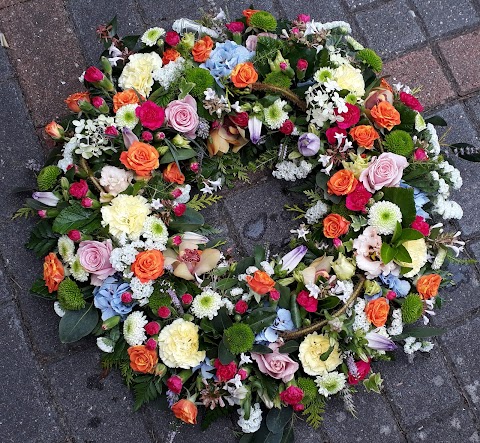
[243, 264]
[466, 151]
[295, 311]
[277, 419]
[328, 303]
[264, 435]
[73, 217]
[326, 354]
[75, 325]
[403, 198]
[387, 253]
[436, 120]
[42, 239]
[246, 438]
[221, 321]
[224, 354]
[289, 347]
[261, 318]
[180, 154]
[39, 289]
[189, 221]
[261, 349]
[259, 254]
[284, 301]
[226, 283]
[130, 41]
[410, 234]
[288, 433]
[419, 332]
[397, 233]
[403, 255]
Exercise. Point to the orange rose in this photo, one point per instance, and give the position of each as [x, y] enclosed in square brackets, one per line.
[53, 272]
[244, 74]
[385, 115]
[127, 97]
[377, 311]
[142, 359]
[342, 182]
[73, 99]
[54, 130]
[364, 135]
[148, 265]
[173, 175]
[141, 157]
[334, 225]
[170, 55]
[202, 48]
[247, 13]
[427, 285]
[260, 282]
[186, 411]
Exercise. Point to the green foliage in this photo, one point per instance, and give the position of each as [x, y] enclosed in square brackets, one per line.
[146, 388]
[263, 20]
[399, 142]
[212, 415]
[239, 338]
[412, 308]
[127, 372]
[76, 217]
[202, 79]
[314, 403]
[75, 325]
[42, 239]
[371, 58]
[267, 48]
[165, 98]
[157, 299]
[403, 198]
[70, 296]
[47, 177]
[24, 212]
[342, 210]
[279, 79]
[202, 201]
[309, 388]
[373, 383]
[40, 290]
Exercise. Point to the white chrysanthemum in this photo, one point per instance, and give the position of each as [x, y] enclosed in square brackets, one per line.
[106, 344]
[151, 36]
[66, 248]
[126, 117]
[383, 216]
[155, 229]
[137, 73]
[331, 383]
[134, 328]
[316, 212]
[254, 421]
[274, 115]
[77, 271]
[58, 309]
[323, 74]
[206, 304]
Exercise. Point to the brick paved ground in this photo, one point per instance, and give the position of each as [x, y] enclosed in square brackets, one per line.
[54, 393]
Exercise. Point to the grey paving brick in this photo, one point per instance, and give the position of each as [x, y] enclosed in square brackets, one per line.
[342, 427]
[461, 344]
[475, 247]
[234, 9]
[5, 68]
[419, 390]
[98, 408]
[358, 3]
[5, 292]
[324, 11]
[27, 412]
[474, 105]
[390, 28]
[166, 12]
[89, 14]
[259, 216]
[456, 426]
[461, 130]
[443, 16]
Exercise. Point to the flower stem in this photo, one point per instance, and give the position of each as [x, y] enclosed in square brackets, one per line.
[84, 165]
[282, 91]
[316, 326]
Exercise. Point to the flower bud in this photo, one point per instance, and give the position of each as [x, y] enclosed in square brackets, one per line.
[188, 317]
[180, 141]
[160, 370]
[344, 268]
[111, 322]
[187, 299]
[186, 411]
[175, 384]
[151, 344]
[127, 297]
[164, 312]
[55, 131]
[188, 40]
[74, 235]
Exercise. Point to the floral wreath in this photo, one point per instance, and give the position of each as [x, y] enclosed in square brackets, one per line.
[130, 260]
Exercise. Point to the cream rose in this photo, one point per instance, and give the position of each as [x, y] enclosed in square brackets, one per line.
[311, 348]
[115, 180]
[137, 74]
[350, 78]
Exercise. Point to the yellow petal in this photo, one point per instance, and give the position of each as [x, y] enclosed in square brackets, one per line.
[182, 271]
[208, 261]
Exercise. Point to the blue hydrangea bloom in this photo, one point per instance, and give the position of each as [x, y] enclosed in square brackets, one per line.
[283, 322]
[108, 298]
[224, 57]
[400, 287]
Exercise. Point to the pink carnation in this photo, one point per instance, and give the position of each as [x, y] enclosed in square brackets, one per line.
[305, 18]
[151, 115]
[93, 75]
[358, 199]
[225, 372]
[411, 101]
[175, 384]
[182, 116]
[78, 189]
[421, 225]
[350, 118]
[292, 395]
[330, 134]
[235, 27]
[305, 301]
[172, 38]
[94, 256]
[275, 364]
[384, 171]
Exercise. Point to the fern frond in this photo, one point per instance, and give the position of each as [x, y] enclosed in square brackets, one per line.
[24, 212]
[314, 411]
[199, 202]
[312, 195]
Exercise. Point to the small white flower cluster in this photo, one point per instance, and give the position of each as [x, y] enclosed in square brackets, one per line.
[122, 258]
[360, 322]
[168, 74]
[316, 212]
[267, 267]
[448, 209]
[343, 289]
[141, 291]
[451, 175]
[434, 146]
[67, 157]
[314, 27]
[290, 171]
[396, 328]
[134, 328]
[254, 422]
[321, 103]
[412, 345]
[90, 139]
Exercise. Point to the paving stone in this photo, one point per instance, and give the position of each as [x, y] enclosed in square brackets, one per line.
[474, 105]
[39, 37]
[456, 426]
[98, 409]
[234, 9]
[420, 389]
[342, 427]
[170, 11]
[462, 54]
[390, 28]
[5, 69]
[421, 69]
[443, 16]
[303, 432]
[89, 14]
[461, 344]
[358, 3]
[5, 293]
[475, 247]
[27, 411]
[461, 130]
[259, 216]
[324, 11]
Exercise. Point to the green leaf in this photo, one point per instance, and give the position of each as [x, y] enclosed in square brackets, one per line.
[410, 234]
[284, 301]
[402, 255]
[436, 120]
[328, 303]
[326, 354]
[222, 321]
[261, 349]
[289, 347]
[189, 221]
[387, 253]
[259, 254]
[243, 264]
[295, 311]
[397, 233]
[130, 41]
[73, 217]
[261, 318]
[75, 325]
[288, 433]
[224, 354]
[180, 154]
[39, 289]
[42, 239]
[185, 88]
[419, 332]
[226, 283]
[403, 198]
[264, 435]
[277, 419]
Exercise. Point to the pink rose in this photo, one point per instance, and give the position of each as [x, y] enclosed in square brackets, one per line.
[276, 365]
[95, 258]
[150, 114]
[175, 384]
[78, 189]
[93, 75]
[182, 115]
[420, 155]
[349, 118]
[378, 95]
[358, 199]
[385, 171]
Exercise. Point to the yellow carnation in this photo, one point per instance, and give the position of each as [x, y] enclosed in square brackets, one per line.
[137, 73]
[178, 345]
[418, 252]
[311, 348]
[126, 214]
[350, 78]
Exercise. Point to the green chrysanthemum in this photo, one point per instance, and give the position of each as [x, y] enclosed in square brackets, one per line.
[239, 338]
[202, 79]
[126, 116]
[371, 58]
[383, 216]
[309, 388]
[399, 142]
[275, 116]
[322, 75]
[158, 299]
[47, 177]
[70, 296]
[351, 98]
[278, 79]
[263, 20]
[412, 308]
